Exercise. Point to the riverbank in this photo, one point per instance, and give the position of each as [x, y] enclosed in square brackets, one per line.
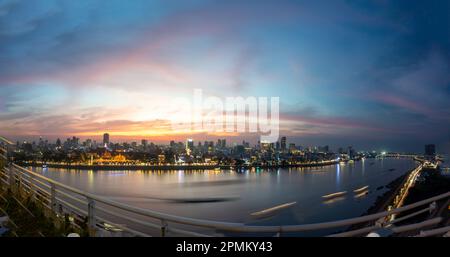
[431, 183]
[176, 167]
[383, 201]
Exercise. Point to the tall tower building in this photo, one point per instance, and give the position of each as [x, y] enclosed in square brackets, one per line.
[189, 146]
[106, 139]
[224, 143]
[283, 143]
[351, 152]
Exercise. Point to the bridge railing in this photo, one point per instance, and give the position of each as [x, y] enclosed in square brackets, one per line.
[103, 214]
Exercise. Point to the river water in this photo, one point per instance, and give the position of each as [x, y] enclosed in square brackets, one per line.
[232, 196]
[445, 165]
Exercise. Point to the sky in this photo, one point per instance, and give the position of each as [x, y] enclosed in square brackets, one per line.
[371, 74]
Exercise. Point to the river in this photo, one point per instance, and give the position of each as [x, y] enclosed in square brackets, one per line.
[233, 196]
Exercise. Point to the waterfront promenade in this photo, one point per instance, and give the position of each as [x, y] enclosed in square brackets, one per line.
[173, 167]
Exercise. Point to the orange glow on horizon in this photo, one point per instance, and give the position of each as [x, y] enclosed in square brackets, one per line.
[155, 135]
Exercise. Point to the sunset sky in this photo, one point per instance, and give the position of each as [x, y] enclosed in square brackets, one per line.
[372, 74]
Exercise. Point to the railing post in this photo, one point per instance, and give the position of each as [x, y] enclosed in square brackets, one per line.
[163, 228]
[11, 177]
[278, 234]
[91, 217]
[53, 197]
[19, 185]
[32, 187]
[381, 222]
[432, 207]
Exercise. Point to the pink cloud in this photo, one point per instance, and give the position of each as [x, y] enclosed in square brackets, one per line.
[337, 122]
[402, 102]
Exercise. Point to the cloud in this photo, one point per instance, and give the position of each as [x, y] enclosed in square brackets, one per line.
[332, 121]
[371, 68]
[46, 125]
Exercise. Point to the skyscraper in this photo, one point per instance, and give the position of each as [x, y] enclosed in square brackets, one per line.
[106, 139]
[221, 143]
[189, 146]
[351, 152]
[283, 144]
[224, 143]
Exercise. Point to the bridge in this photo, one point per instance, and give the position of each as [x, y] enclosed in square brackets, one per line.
[398, 155]
[106, 217]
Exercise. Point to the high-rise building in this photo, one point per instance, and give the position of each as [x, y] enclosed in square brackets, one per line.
[144, 142]
[106, 139]
[351, 152]
[324, 149]
[219, 143]
[430, 150]
[189, 145]
[89, 143]
[283, 143]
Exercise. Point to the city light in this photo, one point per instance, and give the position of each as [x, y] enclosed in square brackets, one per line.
[250, 120]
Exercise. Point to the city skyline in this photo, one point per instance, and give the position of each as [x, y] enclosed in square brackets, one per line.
[104, 140]
[374, 75]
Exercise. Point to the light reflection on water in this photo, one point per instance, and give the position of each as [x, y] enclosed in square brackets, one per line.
[233, 195]
[338, 174]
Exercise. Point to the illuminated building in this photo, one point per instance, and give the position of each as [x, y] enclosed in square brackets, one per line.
[161, 159]
[265, 145]
[283, 144]
[292, 147]
[189, 146]
[106, 139]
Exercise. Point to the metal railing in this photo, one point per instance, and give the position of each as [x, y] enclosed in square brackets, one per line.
[103, 214]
